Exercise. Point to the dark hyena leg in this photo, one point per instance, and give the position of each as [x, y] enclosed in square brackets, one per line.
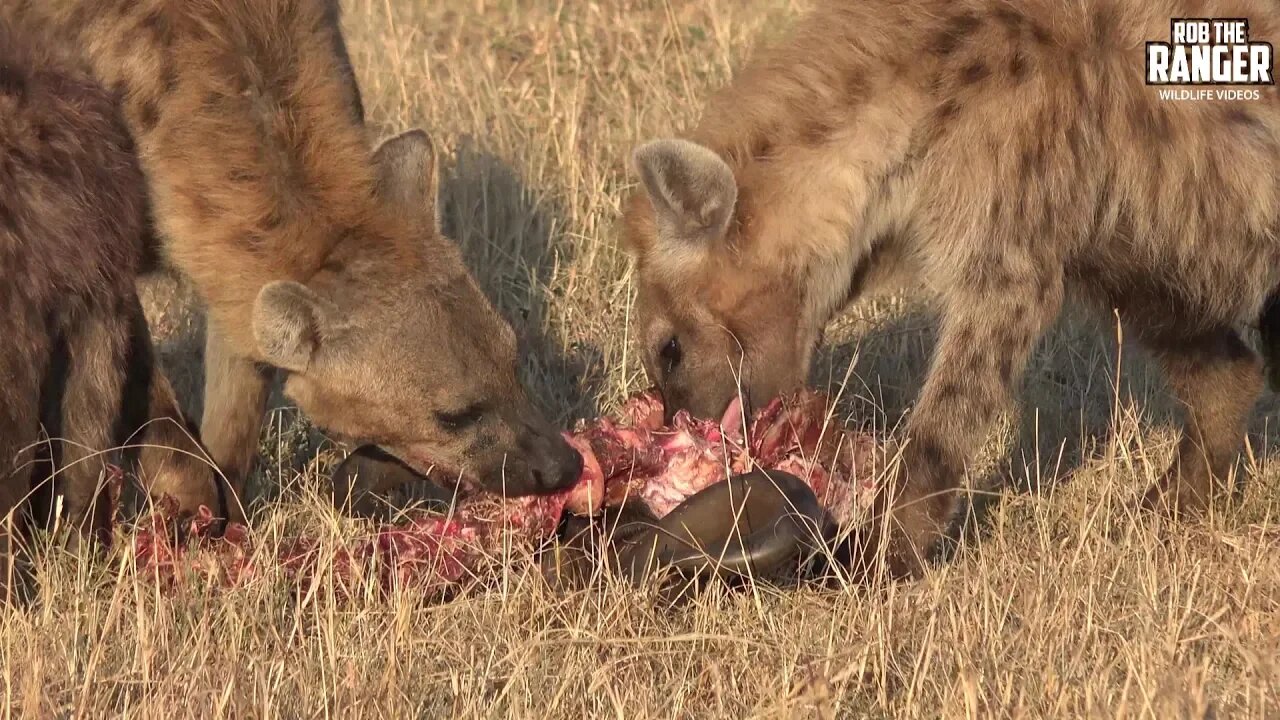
[235, 398]
[98, 357]
[22, 365]
[1218, 379]
[986, 336]
[171, 461]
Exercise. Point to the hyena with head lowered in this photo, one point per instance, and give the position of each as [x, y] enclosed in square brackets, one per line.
[314, 256]
[1005, 152]
[76, 352]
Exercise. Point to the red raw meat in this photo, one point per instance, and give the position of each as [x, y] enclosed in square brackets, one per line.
[633, 459]
[640, 460]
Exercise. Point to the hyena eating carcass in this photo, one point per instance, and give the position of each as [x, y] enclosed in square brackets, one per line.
[77, 354]
[314, 256]
[1004, 152]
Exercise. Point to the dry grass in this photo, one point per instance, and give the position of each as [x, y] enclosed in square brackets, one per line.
[1062, 604]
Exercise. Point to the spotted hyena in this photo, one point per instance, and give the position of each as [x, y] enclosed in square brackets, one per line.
[1003, 152]
[76, 353]
[315, 256]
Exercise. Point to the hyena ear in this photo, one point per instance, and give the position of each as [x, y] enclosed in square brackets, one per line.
[290, 322]
[692, 189]
[407, 174]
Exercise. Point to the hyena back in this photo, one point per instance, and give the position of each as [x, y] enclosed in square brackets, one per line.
[1004, 153]
[313, 255]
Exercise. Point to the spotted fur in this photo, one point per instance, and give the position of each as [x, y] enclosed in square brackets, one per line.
[73, 222]
[1001, 152]
[315, 256]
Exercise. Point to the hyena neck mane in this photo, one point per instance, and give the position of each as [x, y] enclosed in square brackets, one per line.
[820, 147]
[267, 173]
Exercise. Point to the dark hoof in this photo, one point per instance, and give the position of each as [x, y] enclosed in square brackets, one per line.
[575, 558]
[868, 558]
[749, 526]
[1177, 499]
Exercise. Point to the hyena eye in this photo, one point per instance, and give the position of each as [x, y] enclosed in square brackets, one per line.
[461, 419]
[671, 354]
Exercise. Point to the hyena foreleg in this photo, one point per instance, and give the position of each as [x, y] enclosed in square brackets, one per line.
[98, 350]
[19, 432]
[1218, 378]
[990, 325]
[235, 398]
[170, 459]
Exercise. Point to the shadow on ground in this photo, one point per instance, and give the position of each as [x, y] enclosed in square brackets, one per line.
[508, 233]
[1081, 386]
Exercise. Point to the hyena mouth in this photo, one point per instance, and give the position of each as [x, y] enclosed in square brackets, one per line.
[442, 474]
[422, 464]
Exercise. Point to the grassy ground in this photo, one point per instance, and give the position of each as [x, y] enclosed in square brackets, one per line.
[1062, 604]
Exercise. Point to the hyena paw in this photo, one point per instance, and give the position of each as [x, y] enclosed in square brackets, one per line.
[900, 546]
[1184, 495]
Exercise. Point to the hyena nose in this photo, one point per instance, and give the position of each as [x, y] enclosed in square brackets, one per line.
[562, 469]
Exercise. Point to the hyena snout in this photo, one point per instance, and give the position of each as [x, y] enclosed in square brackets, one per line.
[708, 400]
[555, 464]
[543, 463]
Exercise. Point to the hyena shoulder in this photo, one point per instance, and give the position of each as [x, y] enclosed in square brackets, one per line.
[74, 201]
[976, 122]
[248, 123]
[1048, 154]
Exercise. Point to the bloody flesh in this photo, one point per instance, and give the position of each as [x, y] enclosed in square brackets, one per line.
[633, 459]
